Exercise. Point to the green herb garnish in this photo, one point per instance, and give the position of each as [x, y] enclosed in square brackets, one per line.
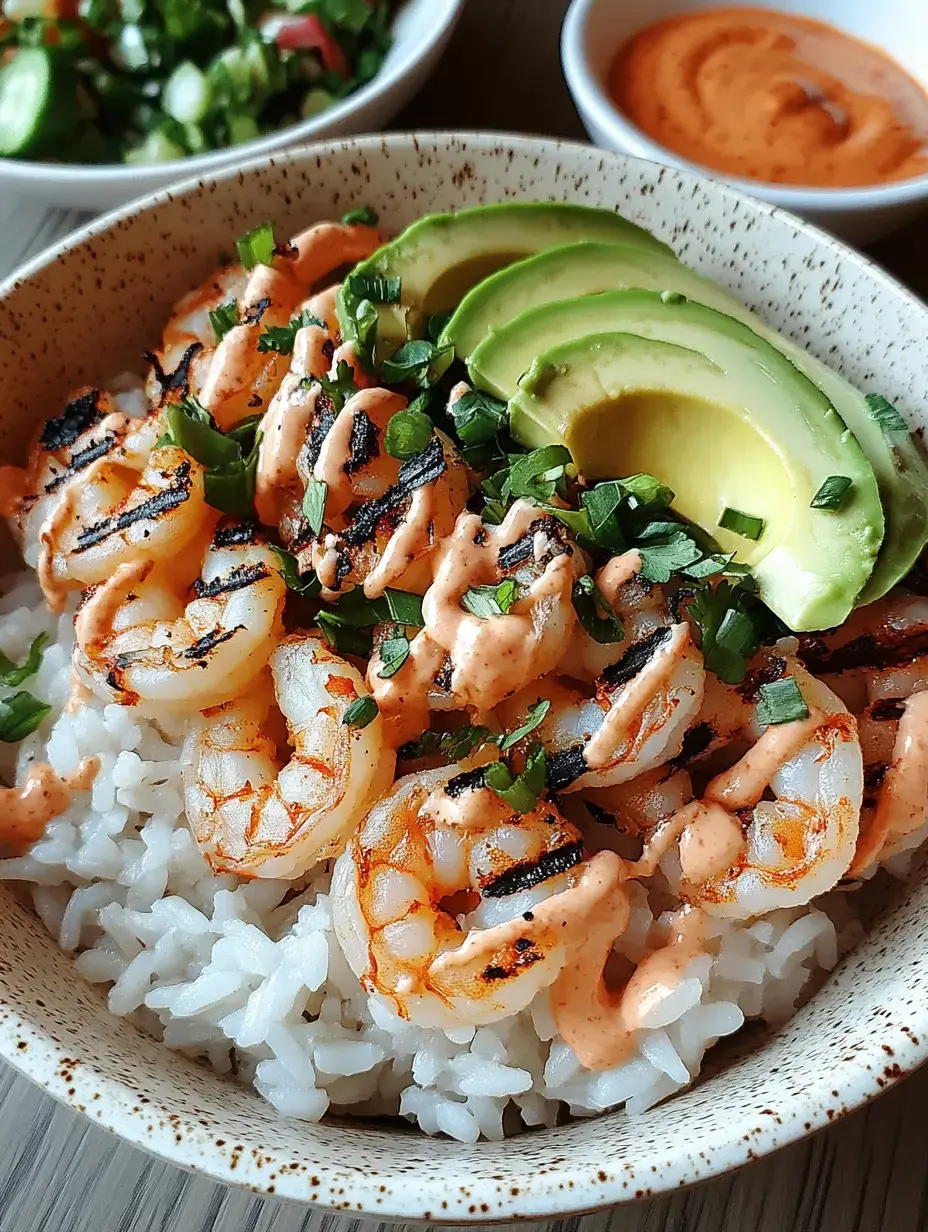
[13, 674]
[393, 654]
[832, 493]
[281, 338]
[230, 458]
[419, 361]
[375, 287]
[885, 414]
[224, 318]
[365, 216]
[744, 524]
[536, 717]
[478, 418]
[537, 475]
[306, 584]
[781, 701]
[521, 792]
[20, 715]
[256, 247]
[488, 601]
[361, 712]
[408, 432]
[314, 504]
[595, 613]
[341, 386]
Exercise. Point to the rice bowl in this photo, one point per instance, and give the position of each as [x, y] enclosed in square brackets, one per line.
[464, 1084]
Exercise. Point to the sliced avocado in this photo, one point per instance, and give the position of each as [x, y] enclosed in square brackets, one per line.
[726, 422]
[587, 268]
[440, 257]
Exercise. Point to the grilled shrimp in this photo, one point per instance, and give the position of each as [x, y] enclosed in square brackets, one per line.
[180, 363]
[65, 450]
[645, 698]
[392, 539]
[118, 515]
[241, 378]
[145, 639]
[451, 905]
[256, 818]
[294, 416]
[879, 665]
[741, 853]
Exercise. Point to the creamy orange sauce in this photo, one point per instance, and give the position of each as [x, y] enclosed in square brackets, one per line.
[711, 842]
[55, 592]
[773, 97]
[494, 656]
[284, 430]
[25, 811]
[632, 699]
[903, 800]
[744, 783]
[94, 622]
[617, 572]
[13, 488]
[348, 485]
[403, 699]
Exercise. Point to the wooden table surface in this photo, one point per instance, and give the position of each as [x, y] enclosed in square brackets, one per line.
[59, 1173]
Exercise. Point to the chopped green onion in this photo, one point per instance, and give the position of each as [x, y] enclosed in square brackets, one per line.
[314, 504]
[257, 246]
[536, 717]
[832, 493]
[393, 653]
[315, 101]
[883, 412]
[361, 712]
[306, 584]
[408, 433]
[20, 715]
[488, 601]
[375, 287]
[520, 792]
[364, 217]
[781, 701]
[595, 613]
[13, 674]
[186, 94]
[744, 524]
[224, 318]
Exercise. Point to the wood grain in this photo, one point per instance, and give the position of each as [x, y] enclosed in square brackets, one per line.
[59, 1173]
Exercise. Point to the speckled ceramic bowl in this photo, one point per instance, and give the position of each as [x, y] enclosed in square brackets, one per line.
[88, 309]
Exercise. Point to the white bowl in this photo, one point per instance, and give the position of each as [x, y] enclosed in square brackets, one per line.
[88, 308]
[594, 30]
[421, 30]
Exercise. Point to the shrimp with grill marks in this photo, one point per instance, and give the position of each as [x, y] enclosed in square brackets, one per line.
[449, 904]
[256, 818]
[119, 516]
[241, 378]
[146, 639]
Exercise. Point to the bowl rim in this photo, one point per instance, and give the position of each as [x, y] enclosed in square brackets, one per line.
[46, 1064]
[23, 171]
[589, 95]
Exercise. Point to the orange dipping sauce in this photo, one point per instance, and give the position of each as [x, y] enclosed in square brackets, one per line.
[773, 97]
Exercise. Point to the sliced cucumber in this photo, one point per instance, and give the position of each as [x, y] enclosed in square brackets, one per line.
[26, 98]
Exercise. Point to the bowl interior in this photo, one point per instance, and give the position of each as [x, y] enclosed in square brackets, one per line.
[88, 312]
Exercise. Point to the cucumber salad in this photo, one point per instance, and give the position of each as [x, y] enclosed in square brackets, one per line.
[139, 81]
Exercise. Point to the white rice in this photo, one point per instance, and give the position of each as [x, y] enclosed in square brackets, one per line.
[251, 978]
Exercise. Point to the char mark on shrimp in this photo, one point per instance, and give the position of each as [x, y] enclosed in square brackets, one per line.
[416, 472]
[322, 424]
[178, 381]
[152, 509]
[80, 414]
[241, 577]
[205, 645]
[81, 460]
[565, 767]
[696, 740]
[767, 673]
[530, 873]
[894, 648]
[239, 534]
[364, 446]
[887, 711]
[515, 554]
[635, 659]
[253, 315]
[470, 780]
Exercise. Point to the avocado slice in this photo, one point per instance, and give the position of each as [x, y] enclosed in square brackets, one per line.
[588, 268]
[440, 257]
[722, 418]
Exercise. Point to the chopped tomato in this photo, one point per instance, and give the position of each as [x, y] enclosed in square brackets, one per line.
[307, 33]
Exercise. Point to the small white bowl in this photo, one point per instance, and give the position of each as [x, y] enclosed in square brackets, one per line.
[594, 30]
[421, 31]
